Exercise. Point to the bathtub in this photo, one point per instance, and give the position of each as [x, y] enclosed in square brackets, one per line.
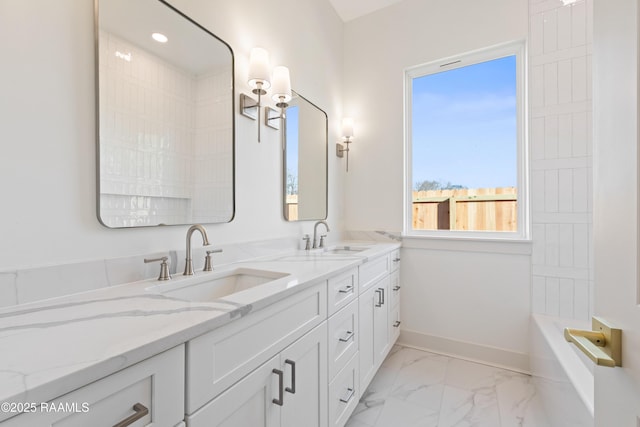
[562, 375]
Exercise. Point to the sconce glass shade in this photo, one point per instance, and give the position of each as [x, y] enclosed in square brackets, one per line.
[259, 70]
[347, 128]
[281, 85]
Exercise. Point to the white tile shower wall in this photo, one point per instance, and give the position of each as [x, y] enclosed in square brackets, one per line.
[560, 39]
[213, 154]
[145, 162]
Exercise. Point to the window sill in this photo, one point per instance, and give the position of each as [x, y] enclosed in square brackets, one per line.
[511, 246]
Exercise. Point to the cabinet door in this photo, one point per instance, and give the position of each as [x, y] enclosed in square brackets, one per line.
[305, 366]
[366, 350]
[381, 341]
[250, 402]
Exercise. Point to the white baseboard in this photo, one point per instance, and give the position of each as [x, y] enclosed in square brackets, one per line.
[493, 356]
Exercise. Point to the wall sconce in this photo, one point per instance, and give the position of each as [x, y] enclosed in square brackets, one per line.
[281, 94]
[259, 83]
[347, 134]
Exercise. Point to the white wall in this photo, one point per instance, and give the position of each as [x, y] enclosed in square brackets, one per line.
[476, 296]
[47, 126]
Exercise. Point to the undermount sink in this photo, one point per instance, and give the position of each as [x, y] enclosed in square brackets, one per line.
[348, 250]
[221, 284]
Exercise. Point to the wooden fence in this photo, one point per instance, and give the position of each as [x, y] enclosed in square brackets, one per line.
[291, 207]
[480, 209]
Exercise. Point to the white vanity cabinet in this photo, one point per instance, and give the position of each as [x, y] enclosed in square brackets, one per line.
[148, 393]
[289, 390]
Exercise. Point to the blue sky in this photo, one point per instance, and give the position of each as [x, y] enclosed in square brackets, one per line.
[464, 125]
[292, 140]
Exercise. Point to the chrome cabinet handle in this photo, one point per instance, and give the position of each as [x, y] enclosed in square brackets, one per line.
[348, 336]
[141, 412]
[382, 291]
[292, 389]
[350, 394]
[346, 290]
[280, 400]
[396, 259]
[379, 303]
[396, 324]
[396, 288]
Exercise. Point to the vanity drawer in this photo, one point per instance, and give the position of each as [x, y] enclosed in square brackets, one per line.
[343, 337]
[394, 288]
[394, 324]
[344, 394]
[394, 259]
[373, 270]
[342, 290]
[218, 359]
[156, 383]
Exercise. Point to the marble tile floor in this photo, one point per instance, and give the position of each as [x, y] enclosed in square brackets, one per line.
[415, 388]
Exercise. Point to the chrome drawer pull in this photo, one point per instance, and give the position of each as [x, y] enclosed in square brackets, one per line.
[396, 259]
[396, 288]
[280, 400]
[397, 324]
[379, 303]
[350, 394]
[292, 389]
[141, 412]
[348, 336]
[346, 290]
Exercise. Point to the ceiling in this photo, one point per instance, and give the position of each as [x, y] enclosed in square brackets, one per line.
[352, 9]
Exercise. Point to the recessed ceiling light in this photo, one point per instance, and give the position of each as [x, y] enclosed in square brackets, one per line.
[160, 38]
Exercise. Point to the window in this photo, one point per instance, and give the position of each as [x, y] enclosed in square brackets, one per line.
[465, 145]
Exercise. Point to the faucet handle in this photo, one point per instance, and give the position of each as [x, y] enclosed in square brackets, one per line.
[164, 267]
[322, 236]
[207, 259]
[307, 245]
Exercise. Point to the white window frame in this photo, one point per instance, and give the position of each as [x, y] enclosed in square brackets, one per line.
[518, 49]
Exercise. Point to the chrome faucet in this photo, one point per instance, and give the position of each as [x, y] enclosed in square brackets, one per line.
[188, 265]
[315, 234]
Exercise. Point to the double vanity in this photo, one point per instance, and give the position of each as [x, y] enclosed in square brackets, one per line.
[292, 338]
[286, 340]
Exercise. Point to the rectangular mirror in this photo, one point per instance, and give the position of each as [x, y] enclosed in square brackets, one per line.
[165, 117]
[305, 161]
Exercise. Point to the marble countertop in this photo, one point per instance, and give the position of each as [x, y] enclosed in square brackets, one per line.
[51, 347]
